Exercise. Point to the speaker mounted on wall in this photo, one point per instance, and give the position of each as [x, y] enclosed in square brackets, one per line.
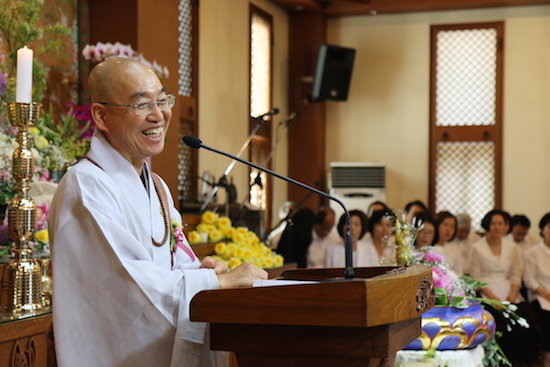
[332, 73]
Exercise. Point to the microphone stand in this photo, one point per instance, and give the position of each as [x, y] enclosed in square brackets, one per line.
[223, 179]
[258, 179]
[194, 142]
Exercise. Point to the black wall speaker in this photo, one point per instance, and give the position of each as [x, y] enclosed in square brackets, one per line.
[332, 73]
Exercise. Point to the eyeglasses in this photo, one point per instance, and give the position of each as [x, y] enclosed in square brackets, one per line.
[146, 107]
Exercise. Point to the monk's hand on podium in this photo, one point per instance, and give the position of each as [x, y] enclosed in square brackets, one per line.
[242, 276]
[210, 263]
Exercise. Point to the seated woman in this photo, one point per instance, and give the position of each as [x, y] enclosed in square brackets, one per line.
[537, 280]
[363, 253]
[380, 229]
[498, 262]
[445, 224]
[427, 236]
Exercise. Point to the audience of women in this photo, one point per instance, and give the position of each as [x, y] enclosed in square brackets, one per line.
[537, 280]
[364, 254]
[445, 224]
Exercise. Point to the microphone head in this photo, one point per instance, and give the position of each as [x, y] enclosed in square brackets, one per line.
[274, 111]
[192, 141]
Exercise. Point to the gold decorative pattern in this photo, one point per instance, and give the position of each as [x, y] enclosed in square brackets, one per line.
[425, 296]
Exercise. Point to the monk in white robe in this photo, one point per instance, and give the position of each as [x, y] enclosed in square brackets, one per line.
[120, 297]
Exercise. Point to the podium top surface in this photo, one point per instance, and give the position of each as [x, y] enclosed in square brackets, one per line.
[377, 296]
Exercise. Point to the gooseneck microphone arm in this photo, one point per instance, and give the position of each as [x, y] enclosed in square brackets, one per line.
[196, 143]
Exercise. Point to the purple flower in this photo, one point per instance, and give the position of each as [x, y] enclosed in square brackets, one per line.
[4, 235]
[3, 84]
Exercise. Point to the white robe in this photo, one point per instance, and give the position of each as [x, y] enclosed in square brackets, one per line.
[364, 256]
[116, 300]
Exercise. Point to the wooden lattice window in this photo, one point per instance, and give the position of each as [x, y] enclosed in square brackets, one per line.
[466, 118]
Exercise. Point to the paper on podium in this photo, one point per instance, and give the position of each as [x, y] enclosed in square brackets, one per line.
[279, 282]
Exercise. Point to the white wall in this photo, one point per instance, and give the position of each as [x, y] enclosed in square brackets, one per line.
[386, 117]
[224, 33]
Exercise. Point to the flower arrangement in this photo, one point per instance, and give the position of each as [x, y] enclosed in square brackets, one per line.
[103, 51]
[63, 139]
[453, 290]
[233, 245]
[7, 182]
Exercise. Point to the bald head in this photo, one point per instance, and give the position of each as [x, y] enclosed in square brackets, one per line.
[108, 78]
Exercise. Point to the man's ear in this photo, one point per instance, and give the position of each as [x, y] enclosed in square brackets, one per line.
[98, 115]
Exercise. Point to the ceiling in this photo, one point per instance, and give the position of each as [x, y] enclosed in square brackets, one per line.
[338, 8]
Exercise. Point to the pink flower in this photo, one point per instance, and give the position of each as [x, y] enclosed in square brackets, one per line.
[441, 280]
[42, 211]
[434, 257]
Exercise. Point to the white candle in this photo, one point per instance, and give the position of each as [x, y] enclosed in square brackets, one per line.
[23, 91]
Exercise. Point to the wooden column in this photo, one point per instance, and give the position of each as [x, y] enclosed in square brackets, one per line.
[307, 136]
[151, 28]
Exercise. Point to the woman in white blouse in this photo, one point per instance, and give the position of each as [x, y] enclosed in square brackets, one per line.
[363, 253]
[498, 262]
[537, 280]
[446, 226]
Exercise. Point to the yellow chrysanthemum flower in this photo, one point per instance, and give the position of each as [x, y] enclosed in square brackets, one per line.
[278, 260]
[215, 236]
[267, 262]
[248, 255]
[205, 228]
[239, 252]
[237, 237]
[229, 249]
[242, 230]
[233, 263]
[194, 237]
[228, 232]
[42, 236]
[201, 228]
[220, 248]
[209, 217]
[224, 222]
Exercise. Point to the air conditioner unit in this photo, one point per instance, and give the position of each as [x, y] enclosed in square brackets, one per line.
[357, 185]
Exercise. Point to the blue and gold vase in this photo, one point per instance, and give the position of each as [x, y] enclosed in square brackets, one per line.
[449, 328]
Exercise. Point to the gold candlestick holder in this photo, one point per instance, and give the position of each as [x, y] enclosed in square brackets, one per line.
[22, 275]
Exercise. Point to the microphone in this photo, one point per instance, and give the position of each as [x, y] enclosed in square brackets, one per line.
[291, 117]
[267, 114]
[196, 143]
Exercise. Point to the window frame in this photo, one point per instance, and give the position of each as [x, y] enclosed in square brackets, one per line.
[467, 133]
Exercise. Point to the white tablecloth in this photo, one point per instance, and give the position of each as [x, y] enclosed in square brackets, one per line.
[453, 358]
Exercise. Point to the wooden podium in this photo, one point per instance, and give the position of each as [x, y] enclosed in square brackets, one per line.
[333, 322]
